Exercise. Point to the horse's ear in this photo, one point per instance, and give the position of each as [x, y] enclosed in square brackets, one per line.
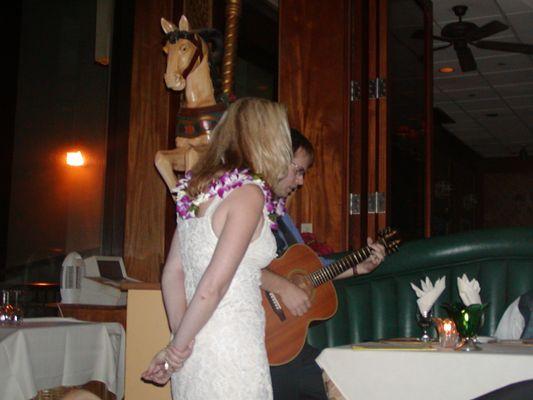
[168, 26]
[183, 24]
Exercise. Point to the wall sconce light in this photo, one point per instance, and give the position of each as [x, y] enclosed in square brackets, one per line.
[446, 70]
[75, 159]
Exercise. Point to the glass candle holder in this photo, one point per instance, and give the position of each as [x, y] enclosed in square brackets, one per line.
[10, 307]
[468, 321]
[18, 312]
[448, 335]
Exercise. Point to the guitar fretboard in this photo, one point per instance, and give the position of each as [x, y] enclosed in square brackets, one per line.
[329, 272]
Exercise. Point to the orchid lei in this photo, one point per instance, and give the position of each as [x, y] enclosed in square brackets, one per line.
[186, 207]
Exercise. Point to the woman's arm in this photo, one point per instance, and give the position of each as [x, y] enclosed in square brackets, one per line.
[173, 288]
[172, 285]
[243, 212]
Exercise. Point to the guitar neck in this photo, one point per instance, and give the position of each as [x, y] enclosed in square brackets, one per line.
[327, 273]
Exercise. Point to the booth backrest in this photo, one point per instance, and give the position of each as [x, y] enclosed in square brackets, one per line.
[383, 305]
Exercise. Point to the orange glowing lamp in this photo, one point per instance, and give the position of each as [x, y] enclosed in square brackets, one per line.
[75, 159]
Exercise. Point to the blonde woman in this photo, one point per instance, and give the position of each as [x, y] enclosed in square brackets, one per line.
[226, 210]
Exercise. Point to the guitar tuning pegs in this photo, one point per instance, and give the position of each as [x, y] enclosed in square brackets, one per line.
[385, 232]
[388, 237]
[391, 246]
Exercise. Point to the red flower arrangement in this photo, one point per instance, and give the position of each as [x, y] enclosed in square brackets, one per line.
[322, 249]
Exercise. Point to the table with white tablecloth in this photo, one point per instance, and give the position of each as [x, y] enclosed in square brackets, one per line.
[407, 371]
[44, 353]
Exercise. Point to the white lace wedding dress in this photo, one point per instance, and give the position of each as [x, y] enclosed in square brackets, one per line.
[229, 359]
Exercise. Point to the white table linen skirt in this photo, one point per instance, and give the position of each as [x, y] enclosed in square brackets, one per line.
[396, 374]
[43, 353]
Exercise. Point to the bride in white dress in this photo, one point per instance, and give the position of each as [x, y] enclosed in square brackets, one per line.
[212, 274]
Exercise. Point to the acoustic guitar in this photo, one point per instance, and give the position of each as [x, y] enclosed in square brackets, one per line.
[284, 333]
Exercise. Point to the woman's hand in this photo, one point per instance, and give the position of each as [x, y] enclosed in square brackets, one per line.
[165, 363]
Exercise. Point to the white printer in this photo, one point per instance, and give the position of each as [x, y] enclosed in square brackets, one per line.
[100, 283]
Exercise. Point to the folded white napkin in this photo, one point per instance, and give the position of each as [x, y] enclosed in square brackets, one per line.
[428, 293]
[468, 290]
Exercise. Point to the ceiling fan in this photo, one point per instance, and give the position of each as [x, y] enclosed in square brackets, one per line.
[463, 33]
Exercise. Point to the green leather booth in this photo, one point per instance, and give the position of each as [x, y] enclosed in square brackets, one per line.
[383, 304]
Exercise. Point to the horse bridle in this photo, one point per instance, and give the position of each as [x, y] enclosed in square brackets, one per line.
[174, 36]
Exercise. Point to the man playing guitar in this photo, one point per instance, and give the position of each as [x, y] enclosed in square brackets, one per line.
[301, 378]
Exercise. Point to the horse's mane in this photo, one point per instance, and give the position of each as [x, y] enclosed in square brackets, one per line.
[215, 42]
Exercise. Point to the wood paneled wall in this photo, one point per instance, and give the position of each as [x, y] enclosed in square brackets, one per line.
[314, 84]
[146, 195]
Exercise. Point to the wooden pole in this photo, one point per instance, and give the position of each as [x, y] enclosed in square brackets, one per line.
[233, 8]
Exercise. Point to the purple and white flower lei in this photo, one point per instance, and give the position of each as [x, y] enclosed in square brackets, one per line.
[186, 207]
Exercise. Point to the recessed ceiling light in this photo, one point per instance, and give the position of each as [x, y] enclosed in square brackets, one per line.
[491, 115]
[446, 70]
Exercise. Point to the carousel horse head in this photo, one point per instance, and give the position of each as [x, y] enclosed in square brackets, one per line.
[189, 57]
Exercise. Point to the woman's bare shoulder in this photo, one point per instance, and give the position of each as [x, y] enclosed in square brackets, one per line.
[249, 195]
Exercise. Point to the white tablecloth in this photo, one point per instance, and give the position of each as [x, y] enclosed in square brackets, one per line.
[43, 353]
[378, 373]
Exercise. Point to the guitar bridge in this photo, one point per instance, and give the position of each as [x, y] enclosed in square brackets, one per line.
[276, 307]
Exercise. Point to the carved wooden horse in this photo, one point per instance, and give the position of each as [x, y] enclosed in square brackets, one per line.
[188, 63]
[188, 68]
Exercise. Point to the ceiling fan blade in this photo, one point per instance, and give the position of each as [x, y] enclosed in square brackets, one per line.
[466, 59]
[441, 47]
[442, 39]
[505, 46]
[486, 30]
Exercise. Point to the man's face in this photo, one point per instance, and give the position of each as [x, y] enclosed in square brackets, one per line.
[296, 174]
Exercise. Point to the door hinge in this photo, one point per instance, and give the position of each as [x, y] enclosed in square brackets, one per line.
[377, 88]
[355, 91]
[355, 204]
[376, 203]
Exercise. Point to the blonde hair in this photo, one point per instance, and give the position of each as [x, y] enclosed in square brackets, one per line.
[253, 133]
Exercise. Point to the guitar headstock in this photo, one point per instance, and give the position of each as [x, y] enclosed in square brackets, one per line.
[390, 239]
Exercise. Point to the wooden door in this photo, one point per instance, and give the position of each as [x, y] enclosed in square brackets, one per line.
[334, 69]
[358, 138]
[368, 140]
[377, 149]
[392, 76]
[314, 83]
[329, 52]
